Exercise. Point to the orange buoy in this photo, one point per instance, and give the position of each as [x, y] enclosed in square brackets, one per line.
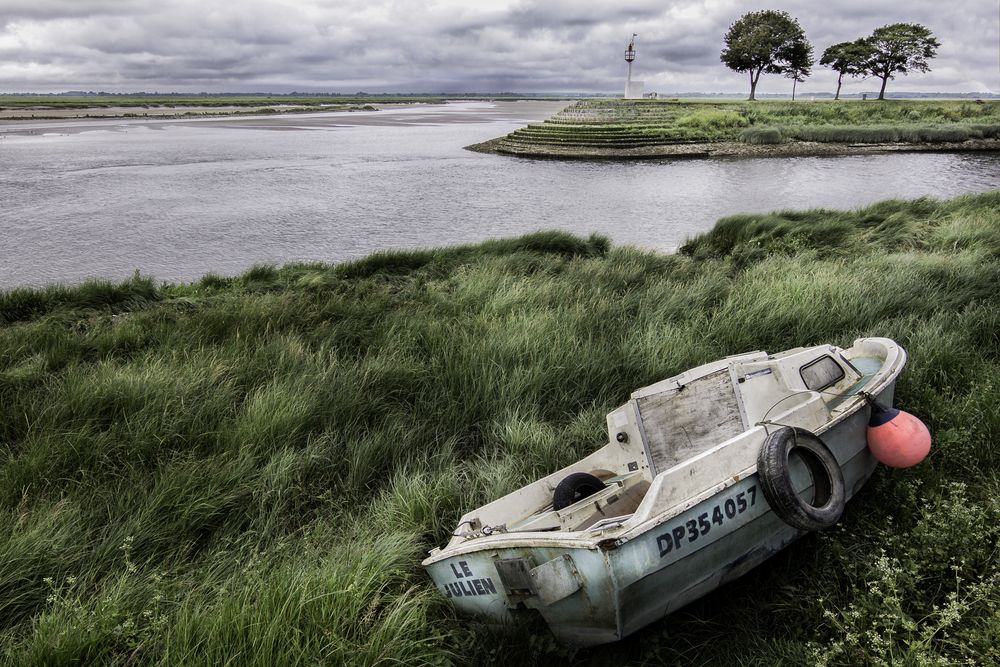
[897, 438]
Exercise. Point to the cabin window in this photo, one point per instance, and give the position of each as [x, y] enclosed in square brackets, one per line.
[821, 373]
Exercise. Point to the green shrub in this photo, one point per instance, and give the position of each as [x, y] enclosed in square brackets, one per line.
[886, 134]
[894, 619]
[214, 281]
[761, 135]
[986, 131]
[844, 134]
[260, 273]
[954, 133]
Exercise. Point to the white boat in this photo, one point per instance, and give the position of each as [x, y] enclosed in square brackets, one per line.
[705, 475]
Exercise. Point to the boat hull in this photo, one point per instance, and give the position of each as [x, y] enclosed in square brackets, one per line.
[609, 589]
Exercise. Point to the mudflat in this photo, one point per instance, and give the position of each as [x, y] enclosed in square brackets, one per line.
[81, 120]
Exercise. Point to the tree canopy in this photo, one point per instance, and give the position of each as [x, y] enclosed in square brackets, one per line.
[899, 47]
[848, 58]
[800, 64]
[767, 41]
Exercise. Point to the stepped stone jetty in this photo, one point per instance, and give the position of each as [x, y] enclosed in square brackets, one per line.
[657, 128]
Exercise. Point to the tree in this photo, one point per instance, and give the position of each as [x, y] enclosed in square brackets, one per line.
[847, 58]
[765, 41]
[900, 47]
[801, 64]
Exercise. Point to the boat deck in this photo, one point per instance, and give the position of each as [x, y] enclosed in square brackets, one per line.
[618, 499]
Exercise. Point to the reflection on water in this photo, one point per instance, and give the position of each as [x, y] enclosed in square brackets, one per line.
[179, 199]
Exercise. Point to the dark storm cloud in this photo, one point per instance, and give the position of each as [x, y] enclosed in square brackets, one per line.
[17, 10]
[449, 45]
[568, 13]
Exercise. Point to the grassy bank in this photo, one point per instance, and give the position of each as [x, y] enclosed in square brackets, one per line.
[234, 100]
[55, 107]
[44, 107]
[662, 128]
[250, 469]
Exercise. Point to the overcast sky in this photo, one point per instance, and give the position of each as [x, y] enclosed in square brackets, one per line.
[452, 45]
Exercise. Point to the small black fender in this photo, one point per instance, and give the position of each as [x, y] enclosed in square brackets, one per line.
[829, 495]
[574, 487]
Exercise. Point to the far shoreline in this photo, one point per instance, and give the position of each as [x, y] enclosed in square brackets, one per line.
[174, 112]
[389, 114]
[735, 150]
[24, 107]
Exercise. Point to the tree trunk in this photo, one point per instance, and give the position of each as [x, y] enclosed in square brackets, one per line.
[881, 93]
[753, 86]
[794, 81]
[839, 79]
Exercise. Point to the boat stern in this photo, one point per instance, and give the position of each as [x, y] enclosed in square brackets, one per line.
[470, 582]
[570, 588]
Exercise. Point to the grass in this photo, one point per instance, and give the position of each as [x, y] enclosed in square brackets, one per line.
[601, 127]
[249, 469]
[56, 106]
[13, 102]
[875, 134]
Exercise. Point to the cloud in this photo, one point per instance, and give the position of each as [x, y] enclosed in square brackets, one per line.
[447, 45]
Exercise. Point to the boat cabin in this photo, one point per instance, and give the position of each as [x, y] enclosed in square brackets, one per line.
[683, 437]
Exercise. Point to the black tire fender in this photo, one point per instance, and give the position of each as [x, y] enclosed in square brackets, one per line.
[829, 495]
[573, 488]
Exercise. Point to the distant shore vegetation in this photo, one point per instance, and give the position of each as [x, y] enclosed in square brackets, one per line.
[662, 128]
[105, 100]
[35, 106]
[248, 470]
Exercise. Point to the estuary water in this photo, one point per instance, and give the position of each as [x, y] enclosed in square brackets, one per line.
[176, 199]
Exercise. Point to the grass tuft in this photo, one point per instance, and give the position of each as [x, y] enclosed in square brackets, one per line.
[761, 135]
[22, 303]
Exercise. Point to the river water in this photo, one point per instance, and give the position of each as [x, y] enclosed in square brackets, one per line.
[178, 199]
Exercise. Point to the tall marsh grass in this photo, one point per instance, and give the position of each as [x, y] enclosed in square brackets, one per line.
[870, 135]
[248, 470]
[889, 134]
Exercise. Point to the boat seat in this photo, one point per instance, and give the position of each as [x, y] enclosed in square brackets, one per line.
[621, 495]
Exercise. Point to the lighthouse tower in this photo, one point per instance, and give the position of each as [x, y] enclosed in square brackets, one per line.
[633, 89]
